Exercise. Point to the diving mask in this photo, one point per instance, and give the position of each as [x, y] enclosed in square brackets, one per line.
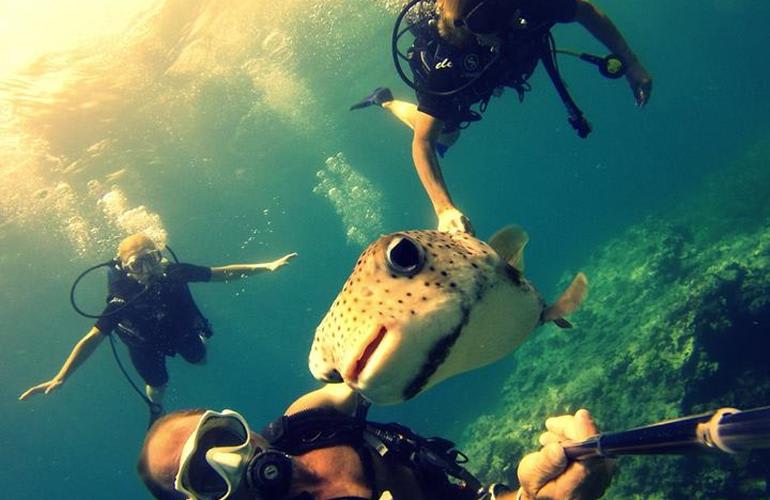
[143, 263]
[215, 456]
[221, 453]
[488, 17]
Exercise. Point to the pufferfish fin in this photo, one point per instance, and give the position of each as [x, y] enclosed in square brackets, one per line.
[509, 243]
[568, 302]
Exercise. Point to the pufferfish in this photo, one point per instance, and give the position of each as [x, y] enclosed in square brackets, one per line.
[423, 306]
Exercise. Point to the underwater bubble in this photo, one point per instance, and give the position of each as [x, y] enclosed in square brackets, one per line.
[94, 187]
[115, 206]
[355, 199]
[79, 234]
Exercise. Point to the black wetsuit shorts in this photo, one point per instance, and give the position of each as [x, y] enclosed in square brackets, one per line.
[150, 363]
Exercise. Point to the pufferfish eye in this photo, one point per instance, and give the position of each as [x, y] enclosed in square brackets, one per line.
[405, 256]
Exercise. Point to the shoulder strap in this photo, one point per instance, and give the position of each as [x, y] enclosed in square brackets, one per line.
[313, 429]
[436, 459]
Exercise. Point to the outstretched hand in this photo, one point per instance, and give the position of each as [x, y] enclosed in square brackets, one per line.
[272, 266]
[45, 387]
[548, 474]
[452, 220]
[640, 82]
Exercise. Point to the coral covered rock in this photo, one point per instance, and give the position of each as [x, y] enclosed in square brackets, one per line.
[677, 322]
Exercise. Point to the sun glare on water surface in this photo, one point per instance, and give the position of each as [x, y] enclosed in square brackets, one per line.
[31, 28]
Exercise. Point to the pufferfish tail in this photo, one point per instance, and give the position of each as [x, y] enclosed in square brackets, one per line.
[568, 302]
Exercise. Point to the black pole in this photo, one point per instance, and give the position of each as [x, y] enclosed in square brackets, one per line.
[727, 430]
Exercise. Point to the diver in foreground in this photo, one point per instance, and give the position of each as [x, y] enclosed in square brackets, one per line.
[468, 51]
[153, 312]
[323, 449]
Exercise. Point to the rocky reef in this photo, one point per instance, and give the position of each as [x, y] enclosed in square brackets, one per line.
[677, 322]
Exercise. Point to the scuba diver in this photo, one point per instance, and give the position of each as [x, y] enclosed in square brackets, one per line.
[467, 51]
[150, 306]
[324, 448]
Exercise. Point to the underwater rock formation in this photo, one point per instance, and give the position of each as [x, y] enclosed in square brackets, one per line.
[677, 322]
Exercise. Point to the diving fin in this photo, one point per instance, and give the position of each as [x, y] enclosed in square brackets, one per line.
[377, 97]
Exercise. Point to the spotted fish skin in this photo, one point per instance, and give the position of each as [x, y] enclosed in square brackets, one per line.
[393, 331]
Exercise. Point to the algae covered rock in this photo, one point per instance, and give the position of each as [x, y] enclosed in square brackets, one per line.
[677, 322]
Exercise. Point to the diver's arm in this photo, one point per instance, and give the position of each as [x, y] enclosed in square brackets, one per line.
[603, 29]
[337, 396]
[426, 131]
[237, 271]
[80, 353]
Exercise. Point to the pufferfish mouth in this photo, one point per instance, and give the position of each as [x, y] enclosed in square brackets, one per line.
[359, 363]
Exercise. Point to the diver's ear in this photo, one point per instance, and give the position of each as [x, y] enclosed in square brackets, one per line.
[509, 243]
[568, 302]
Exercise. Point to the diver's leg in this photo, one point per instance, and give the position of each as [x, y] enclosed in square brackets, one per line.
[192, 348]
[407, 113]
[150, 364]
[403, 110]
[156, 393]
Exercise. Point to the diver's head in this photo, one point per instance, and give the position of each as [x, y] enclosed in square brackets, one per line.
[140, 257]
[159, 457]
[484, 19]
[210, 455]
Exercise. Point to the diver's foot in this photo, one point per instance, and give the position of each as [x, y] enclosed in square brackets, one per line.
[156, 411]
[379, 96]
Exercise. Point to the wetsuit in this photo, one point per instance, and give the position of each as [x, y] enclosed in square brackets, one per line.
[439, 66]
[393, 458]
[159, 322]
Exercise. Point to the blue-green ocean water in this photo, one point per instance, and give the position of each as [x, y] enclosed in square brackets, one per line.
[209, 121]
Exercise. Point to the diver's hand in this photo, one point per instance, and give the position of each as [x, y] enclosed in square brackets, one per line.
[548, 474]
[452, 220]
[45, 387]
[640, 82]
[272, 266]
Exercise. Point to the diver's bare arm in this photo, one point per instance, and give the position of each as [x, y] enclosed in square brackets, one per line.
[237, 271]
[80, 353]
[603, 29]
[426, 132]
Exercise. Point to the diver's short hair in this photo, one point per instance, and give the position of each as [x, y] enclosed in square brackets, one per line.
[449, 11]
[137, 239]
[158, 489]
